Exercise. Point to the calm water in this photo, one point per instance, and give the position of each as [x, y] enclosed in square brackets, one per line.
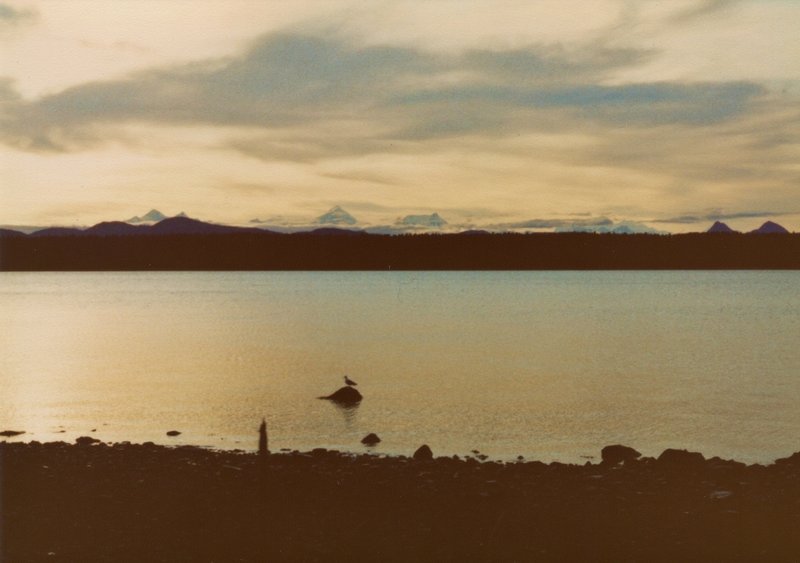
[550, 365]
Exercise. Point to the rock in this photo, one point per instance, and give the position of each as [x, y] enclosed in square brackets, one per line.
[173, 433]
[793, 459]
[10, 433]
[345, 396]
[720, 464]
[86, 441]
[370, 439]
[680, 458]
[423, 453]
[613, 455]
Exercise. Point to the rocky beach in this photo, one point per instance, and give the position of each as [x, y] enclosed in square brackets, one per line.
[93, 501]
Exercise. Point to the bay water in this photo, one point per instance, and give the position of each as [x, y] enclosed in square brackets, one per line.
[548, 365]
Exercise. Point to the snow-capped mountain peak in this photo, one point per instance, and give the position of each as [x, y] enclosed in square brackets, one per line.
[336, 216]
[432, 220]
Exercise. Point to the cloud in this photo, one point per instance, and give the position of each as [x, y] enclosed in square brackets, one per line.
[590, 222]
[10, 16]
[702, 9]
[718, 215]
[8, 93]
[648, 104]
[365, 98]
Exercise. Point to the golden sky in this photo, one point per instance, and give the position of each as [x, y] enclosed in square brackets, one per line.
[492, 113]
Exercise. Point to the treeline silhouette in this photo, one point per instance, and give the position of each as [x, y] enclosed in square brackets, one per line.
[359, 251]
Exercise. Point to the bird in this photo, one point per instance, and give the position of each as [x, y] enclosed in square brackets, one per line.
[349, 381]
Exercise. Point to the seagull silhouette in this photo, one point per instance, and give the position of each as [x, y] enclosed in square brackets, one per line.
[349, 381]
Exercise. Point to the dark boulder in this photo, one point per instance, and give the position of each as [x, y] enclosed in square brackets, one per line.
[173, 433]
[613, 455]
[717, 463]
[680, 458]
[793, 459]
[86, 441]
[345, 396]
[370, 439]
[423, 453]
[11, 433]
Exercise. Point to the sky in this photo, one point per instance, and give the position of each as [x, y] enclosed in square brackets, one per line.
[503, 114]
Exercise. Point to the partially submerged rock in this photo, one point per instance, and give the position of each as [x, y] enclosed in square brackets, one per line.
[345, 396]
[423, 453]
[613, 455]
[86, 441]
[370, 439]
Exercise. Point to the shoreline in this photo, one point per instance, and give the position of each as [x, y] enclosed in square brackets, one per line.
[145, 502]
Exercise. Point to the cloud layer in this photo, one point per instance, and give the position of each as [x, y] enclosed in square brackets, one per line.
[379, 93]
[499, 121]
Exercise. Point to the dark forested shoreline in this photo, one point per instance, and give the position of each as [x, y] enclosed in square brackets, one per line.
[345, 250]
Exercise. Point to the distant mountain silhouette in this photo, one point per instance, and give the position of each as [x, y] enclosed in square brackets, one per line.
[720, 227]
[114, 228]
[769, 228]
[336, 216]
[432, 220]
[187, 226]
[58, 232]
[169, 226]
[333, 231]
[11, 233]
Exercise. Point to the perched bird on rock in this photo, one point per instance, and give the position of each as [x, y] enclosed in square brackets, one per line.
[349, 381]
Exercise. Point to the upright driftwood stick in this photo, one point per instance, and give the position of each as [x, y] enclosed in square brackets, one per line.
[262, 438]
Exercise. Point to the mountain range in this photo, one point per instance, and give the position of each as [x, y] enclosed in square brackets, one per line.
[338, 219]
[768, 228]
[179, 225]
[152, 216]
[433, 220]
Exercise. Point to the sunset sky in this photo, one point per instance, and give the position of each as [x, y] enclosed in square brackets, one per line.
[492, 113]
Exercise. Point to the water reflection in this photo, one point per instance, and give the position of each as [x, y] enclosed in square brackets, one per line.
[349, 412]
